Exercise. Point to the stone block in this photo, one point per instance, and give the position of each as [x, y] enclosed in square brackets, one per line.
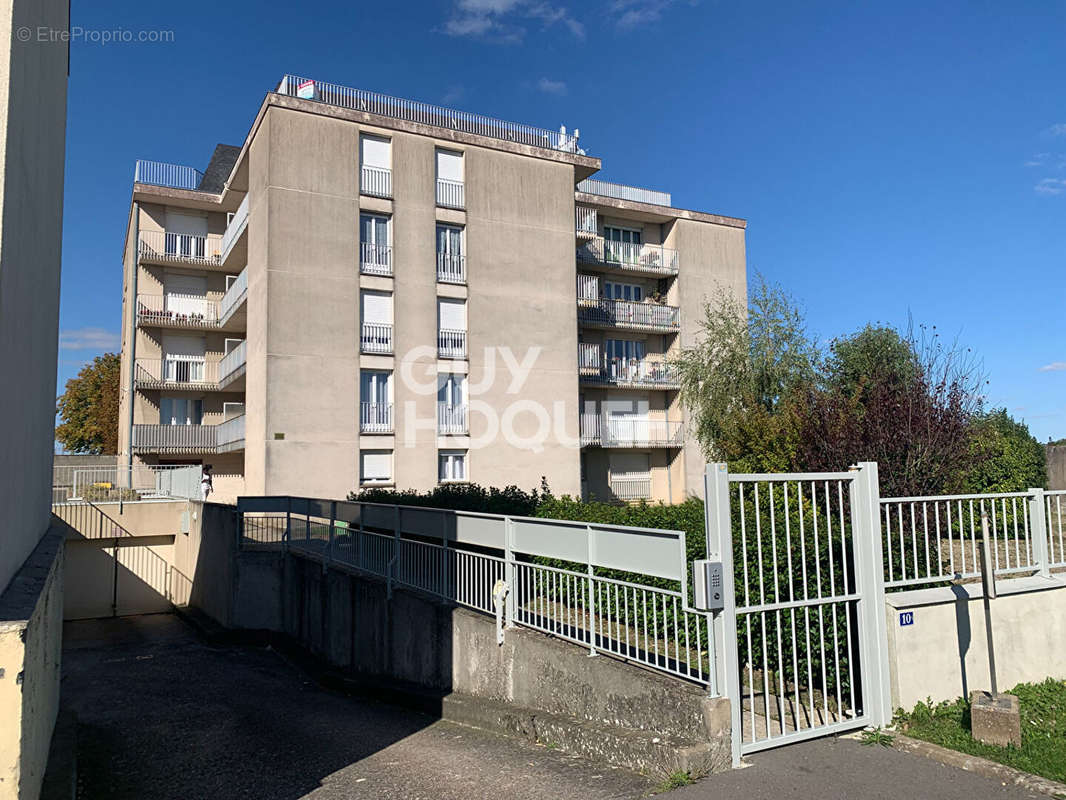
[995, 720]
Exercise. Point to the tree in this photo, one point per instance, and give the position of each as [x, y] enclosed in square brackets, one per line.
[89, 408]
[744, 367]
[1007, 458]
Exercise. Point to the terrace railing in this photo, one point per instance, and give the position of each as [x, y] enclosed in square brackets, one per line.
[172, 176]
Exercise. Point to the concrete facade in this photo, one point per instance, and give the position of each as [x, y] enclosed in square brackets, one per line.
[311, 311]
[33, 100]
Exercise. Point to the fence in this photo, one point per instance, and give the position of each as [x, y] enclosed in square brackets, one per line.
[614, 589]
[620, 191]
[397, 108]
[450, 194]
[376, 337]
[125, 483]
[451, 268]
[185, 247]
[627, 314]
[174, 176]
[376, 181]
[936, 539]
[651, 258]
[375, 259]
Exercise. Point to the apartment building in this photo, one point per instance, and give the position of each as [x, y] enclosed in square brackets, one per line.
[376, 292]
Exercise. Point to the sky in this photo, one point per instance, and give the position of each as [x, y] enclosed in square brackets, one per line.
[894, 161]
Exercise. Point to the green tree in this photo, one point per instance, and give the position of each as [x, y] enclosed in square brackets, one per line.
[1007, 458]
[743, 370]
[875, 352]
[89, 408]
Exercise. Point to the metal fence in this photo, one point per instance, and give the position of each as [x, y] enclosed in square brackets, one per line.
[614, 589]
[936, 539]
[620, 191]
[174, 176]
[125, 483]
[427, 114]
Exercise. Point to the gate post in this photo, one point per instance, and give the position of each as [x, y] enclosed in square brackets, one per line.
[718, 527]
[870, 584]
[1038, 525]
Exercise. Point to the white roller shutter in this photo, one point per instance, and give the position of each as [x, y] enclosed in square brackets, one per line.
[375, 152]
[450, 165]
[376, 465]
[377, 308]
[452, 314]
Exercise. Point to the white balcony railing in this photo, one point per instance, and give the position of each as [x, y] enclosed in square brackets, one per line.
[585, 221]
[630, 487]
[376, 338]
[173, 176]
[178, 310]
[375, 259]
[451, 268]
[375, 417]
[174, 438]
[450, 194]
[180, 247]
[237, 225]
[615, 430]
[452, 419]
[230, 434]
[620, 191]
[641, 372]
[236, 293]
[626, 314]
[650, 258]
[426, 114]
[232, 361]
[451, 343]
[176, 371]
[588, 287]
[376, 181]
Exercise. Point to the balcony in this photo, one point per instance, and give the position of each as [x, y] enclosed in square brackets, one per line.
[585, 221]
[375, 418]
[595, 369]
[650, 259]
[177, 311]
[630, 488]
[627, 315]
[451, 344]
[232, 365]
[375, 259]
[189, 439]
[376, 338]
[181, 373]
[451, 194]
[612, 430]
[170, 176]
[231, 301]
[451, 268]
[376, 182]
[165, 247]
[452, 420]
[238, 224]
[620, 191]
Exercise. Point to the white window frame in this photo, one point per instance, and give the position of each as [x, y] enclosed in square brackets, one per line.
[438, 152]
[377, 377]
[228, 407]
[363, 480]
[370, 137]
[374, 228]
[189, 404]
[461, 238]
[446, 462]
[635, 290]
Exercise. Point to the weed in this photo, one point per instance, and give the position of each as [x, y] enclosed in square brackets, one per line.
[675, 780]
[872, 736]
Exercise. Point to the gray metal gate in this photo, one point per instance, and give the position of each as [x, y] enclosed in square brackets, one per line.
[802, 633]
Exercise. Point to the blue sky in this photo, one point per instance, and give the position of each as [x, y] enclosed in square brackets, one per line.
[893, 160]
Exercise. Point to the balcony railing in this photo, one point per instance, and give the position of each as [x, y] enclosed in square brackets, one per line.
[427, 114]
[233, 361]
[612, 430]
[625, 314]
[375, 259]
[376, 181]
[237, 225]
[451, 268]
[375, 417]
[180, 247]
[450, 194]
[236, 293]
[585, 221]
[650, 258]
[452, 419]
[176, 372]
[451, 343]
[620, 191]
[177, 310]
[172, 176]
[635, 372]
[630, 488]
[376, 338]
[228, 436]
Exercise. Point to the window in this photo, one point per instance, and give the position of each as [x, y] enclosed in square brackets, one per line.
[375, 466]
[450, 166]
[450, 240]
[623, 291]
[624, 349]
[183, 359]
[230, 280]
[181, 410]
[375, 151]
[622, 244]
[375, 256]
[451, 267]
[451, 389]
[231, 411]
[185, 234]
[451, 314]
[374, 229]
[185, 295]
[451, 465]
[376, 330]
[375, 387]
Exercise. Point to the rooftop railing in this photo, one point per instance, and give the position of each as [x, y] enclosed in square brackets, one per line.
[619, 191]
[172, 176]
[427, 114]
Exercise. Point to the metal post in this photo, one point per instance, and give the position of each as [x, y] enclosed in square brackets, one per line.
[131, 394]
[1038, 530]
[332, 530]
[865, 495]
[509, 570]
[718, 526]
[988, 584]
[589, 552]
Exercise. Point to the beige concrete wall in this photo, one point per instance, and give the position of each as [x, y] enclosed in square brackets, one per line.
[944, 655]
[1056, 466]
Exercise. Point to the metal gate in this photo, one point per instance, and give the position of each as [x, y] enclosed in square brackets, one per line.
[802, 631]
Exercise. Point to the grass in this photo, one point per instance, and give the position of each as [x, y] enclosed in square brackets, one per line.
[1043, 721]
[674, 780]
[872, 736]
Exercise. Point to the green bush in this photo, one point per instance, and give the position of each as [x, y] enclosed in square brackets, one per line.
[459, 497]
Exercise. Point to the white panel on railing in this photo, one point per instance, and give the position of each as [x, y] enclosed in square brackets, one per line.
[551, 540]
